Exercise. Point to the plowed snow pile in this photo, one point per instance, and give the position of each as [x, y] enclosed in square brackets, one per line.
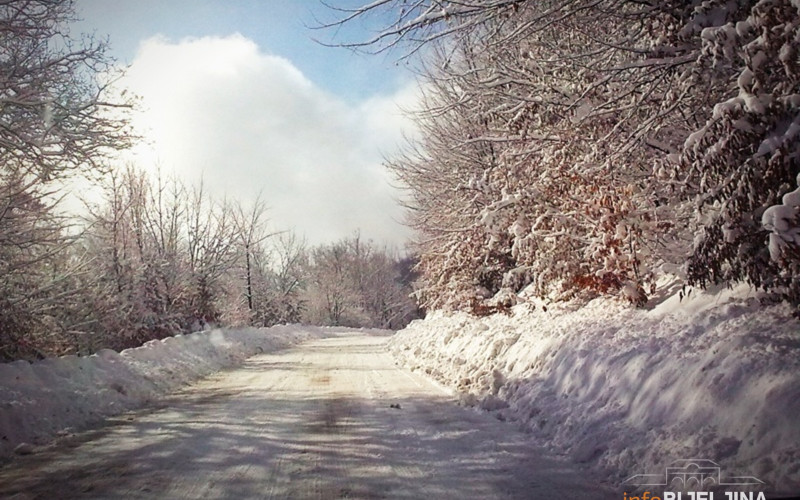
[40, 400]
[630, 391]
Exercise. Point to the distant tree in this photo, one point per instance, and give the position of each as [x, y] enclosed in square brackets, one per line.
[212, 235]
[386, 292]
[168, 259]
[136, 244]
[282, 272]
[332, 298]
[250, 227]
[355, 283]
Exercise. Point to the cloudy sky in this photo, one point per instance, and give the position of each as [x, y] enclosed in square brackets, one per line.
[238, 92]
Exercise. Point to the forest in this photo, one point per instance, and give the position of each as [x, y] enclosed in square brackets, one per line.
[151, 257]
[591, 147]
[567, 150]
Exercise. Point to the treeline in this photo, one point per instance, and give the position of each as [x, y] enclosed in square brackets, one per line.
[589, 147]
[154, 257]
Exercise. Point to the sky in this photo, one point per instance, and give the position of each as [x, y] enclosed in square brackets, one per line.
[239, 94]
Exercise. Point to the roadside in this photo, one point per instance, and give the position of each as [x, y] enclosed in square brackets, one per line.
[712, 376]
[55, 397]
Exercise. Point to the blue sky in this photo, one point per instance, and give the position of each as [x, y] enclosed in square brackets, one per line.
[238, 92]
[280, 27]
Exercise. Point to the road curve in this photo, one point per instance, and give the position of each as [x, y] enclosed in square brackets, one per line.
[331, 418]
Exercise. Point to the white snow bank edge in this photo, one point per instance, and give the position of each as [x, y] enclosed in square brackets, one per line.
[630, 391]
[55, 396]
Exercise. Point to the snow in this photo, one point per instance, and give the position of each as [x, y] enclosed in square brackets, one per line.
[52, 397]
[332, 418]
[714, 375]
[781, 221]
[758, 60]
[695, 137]
[746, 79]
[756, 104]
[743, 27]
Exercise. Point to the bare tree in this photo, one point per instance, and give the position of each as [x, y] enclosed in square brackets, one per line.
[355, 283]
[32, 272]
[58, 117]
[211, 239]
[57, 113]
[419, 22]
[135, 242]
[281, 272]
[251, 230]
[332, 299]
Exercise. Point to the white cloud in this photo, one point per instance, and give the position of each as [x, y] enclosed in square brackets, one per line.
[247, 122]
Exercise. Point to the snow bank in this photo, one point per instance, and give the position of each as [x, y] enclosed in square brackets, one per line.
[39, 401]
[630, 391]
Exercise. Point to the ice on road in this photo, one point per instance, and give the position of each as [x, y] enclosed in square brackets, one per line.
[331, 418]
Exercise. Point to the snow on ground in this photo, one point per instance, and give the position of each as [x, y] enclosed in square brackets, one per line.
[714, 376]
[39, 401]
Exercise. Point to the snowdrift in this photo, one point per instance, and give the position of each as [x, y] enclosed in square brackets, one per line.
[630, 391]
[41, 400]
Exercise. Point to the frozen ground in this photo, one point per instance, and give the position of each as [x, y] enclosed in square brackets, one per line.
[53, 397]
[715, 376]
[329, 418]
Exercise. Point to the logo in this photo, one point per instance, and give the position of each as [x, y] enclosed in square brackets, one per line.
[694, 474]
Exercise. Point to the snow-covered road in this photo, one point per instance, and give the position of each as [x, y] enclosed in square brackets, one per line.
[330, 418]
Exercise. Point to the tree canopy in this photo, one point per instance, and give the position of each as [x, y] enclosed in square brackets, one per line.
[587, 147]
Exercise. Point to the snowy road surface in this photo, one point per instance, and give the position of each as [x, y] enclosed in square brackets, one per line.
[320, 420]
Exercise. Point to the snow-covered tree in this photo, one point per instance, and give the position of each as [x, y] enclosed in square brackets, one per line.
[783, 222]
[573, 147]
[211, 242]
[523, 141]
[136, 244]
[55, 97]
[166, 259]
[280, 273]
[355, 283]
[746, 156]
[58, 119]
